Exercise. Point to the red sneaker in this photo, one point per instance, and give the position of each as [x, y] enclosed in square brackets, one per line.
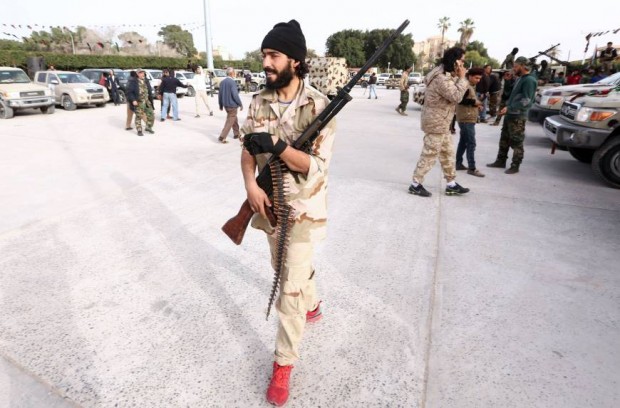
[315, 315]
[277, 393]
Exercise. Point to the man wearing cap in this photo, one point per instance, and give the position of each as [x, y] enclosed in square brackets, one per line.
[140, 96]
[277, 116]
[513, 130]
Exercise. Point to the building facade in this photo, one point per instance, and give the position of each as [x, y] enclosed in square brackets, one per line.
[430, 50]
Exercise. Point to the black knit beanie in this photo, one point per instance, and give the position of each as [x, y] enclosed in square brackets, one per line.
[288, 39]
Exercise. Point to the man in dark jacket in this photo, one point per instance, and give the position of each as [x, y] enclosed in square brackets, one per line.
[495, 87]
[509, 83]
[513, 130]
[482, 92]
[113, 86]
[168, 92]
[140, 96]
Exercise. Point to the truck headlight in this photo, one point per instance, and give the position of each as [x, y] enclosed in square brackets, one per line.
[80, 91]
[547, 100]
[586, 114]
[10, 95]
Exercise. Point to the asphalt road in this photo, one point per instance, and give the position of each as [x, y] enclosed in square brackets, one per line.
[117, 287]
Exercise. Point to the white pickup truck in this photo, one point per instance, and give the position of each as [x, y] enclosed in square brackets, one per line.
[17, 92]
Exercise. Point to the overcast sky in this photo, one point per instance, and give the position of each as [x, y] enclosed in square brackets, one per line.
[239, 26]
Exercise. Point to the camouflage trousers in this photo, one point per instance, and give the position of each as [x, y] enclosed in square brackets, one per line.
[436, 145]
[512, 136]
[144, 112]
[404, 100]
[493, 101]
[297, 297]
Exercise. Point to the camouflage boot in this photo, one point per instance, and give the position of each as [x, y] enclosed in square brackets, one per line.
[513, 169]
[501, 164]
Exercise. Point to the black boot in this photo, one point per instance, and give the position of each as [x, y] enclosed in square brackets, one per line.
[513, 169]
[501, 164]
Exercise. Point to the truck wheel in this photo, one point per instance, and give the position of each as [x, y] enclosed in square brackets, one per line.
[190, 91]
[583, 155]
[67, 103]
[606, 162]
[48, 109]
[6, 112]
[122, 98]
[253, 87]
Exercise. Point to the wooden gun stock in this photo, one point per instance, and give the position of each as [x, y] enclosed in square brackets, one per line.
[236, 226]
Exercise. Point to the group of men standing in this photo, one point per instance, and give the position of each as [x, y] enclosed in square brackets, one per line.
[451, 88]
[141, 95]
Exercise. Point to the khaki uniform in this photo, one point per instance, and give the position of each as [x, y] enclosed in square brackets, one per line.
[307, 196]
[442, 94]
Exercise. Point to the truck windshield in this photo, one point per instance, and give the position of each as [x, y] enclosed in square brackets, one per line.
[14, 77]
[73, 79]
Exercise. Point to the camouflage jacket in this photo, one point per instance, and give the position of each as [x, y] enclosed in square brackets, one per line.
[307, 193]
[442, 94]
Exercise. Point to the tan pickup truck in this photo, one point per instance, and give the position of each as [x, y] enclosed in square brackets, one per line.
[17, 92]
[589, 128]
[72, 89]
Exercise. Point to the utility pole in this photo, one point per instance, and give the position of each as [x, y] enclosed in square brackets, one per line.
[207, 15]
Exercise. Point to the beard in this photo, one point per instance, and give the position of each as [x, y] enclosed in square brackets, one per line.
[283, 78]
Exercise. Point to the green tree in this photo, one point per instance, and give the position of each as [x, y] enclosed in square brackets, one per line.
[467, 30]
[479, 47]
[12, 45]
[348, 44]
[443, 25]
[179, 39]
[399, 54]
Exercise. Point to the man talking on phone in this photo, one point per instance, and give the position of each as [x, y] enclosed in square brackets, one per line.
[445, 87]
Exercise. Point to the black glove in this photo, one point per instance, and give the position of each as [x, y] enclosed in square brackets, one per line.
[257, 143]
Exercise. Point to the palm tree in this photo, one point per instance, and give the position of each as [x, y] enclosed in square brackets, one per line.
[443, 25]
[466, 30]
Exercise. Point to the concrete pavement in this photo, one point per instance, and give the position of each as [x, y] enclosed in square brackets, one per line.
[117, 287]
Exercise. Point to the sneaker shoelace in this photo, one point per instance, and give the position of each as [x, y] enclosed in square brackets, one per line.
[281, 376]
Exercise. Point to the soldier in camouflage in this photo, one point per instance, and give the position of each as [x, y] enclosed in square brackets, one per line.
[513, 130]
[510, 59]
[445, 87]
[140, 96]
[403, 85]
[276, 118]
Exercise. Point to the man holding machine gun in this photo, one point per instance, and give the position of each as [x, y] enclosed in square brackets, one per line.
[277, 115]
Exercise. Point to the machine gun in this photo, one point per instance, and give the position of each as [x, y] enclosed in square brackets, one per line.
[235, 227]
[551, 57]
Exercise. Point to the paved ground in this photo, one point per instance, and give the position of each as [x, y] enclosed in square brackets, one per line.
[117, 287]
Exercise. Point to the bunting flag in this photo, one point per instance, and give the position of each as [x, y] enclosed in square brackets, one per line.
[19, 29]
[598, 34]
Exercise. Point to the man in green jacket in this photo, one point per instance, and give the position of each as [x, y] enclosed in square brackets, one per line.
[513, 130]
